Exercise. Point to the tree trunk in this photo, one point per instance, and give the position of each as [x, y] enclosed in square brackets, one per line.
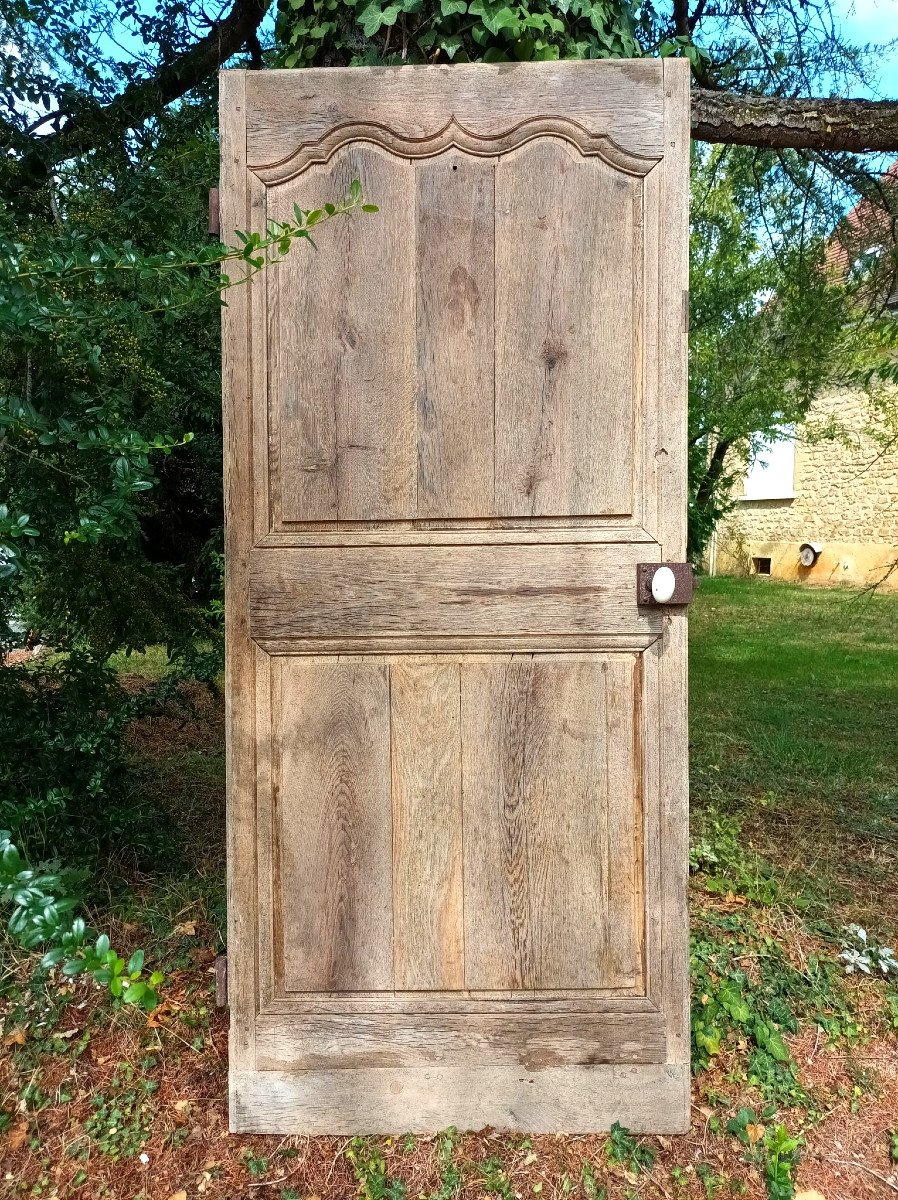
[859, 126]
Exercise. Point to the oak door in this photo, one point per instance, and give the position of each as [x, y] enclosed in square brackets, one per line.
[456, 743]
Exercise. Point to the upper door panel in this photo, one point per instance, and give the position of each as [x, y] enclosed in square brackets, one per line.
[492, 367]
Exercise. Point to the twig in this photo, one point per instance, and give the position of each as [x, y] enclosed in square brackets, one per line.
[850, 1162]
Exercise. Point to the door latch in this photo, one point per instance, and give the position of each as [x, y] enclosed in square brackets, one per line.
[664, 583]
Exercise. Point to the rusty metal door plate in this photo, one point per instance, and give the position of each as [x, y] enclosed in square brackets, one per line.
[664, 584]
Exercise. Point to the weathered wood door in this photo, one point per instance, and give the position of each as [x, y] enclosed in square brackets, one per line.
[457, 743]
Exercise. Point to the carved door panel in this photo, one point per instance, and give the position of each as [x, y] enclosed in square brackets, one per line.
[457, 743]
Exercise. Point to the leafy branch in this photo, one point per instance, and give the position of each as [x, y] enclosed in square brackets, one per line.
[40, 915]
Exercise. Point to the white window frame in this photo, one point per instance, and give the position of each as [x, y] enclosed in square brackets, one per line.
[771, 468]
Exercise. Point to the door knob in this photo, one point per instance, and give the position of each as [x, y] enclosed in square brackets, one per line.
[664, 584]
[667, 583]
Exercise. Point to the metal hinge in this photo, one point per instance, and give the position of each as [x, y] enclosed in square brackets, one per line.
[664, 584]
[221, 981]
[214, 214]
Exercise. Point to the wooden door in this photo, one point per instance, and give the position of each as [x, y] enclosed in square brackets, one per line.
[457, 744]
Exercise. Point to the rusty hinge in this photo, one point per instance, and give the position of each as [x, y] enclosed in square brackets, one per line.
[221, 981]
[214, 215]
[673, 583]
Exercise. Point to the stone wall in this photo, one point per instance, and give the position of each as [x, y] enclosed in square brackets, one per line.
[846, 496]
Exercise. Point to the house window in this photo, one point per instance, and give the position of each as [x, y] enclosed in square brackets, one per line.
[771, 470]
[761, 566]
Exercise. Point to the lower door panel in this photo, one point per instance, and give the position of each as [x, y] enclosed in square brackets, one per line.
[457, 857]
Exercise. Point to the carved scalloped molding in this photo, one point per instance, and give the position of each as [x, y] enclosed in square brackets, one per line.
[454, 136]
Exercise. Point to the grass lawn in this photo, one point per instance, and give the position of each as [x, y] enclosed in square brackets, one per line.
[794, 730]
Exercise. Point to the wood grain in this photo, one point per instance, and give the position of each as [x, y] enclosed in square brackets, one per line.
[457, 820]
[548, 813]
[564, 335]
[335, 825]
[645, 1098]
[344, 377]
[529, 1041]
[239, 652]
[448, 590]
[621, 99]
[673, 725]
[428, 939]
[455, 277]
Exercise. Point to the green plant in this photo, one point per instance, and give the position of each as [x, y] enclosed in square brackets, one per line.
[624, 1150]
[728, 1004]
[859, 953]
[591, 1188]
[39, 916]
[717, 852]
[121, 1120]
[457, 30]
[711, 1181]
[370, 1169]
[781, 1150]
[771, 1147]
[495, 1178]
[256, 1164]
[450, 1173]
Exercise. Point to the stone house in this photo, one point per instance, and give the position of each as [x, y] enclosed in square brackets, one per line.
[824, 510]
[836, 498]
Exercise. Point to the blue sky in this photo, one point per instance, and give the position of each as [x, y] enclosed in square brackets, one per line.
[874, 21]
[862, 21]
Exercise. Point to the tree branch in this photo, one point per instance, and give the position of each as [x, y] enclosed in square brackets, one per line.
[712, 476]
[681, 18]
[144, 98]
[777, 122]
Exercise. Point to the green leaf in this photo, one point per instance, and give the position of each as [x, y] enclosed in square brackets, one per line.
[135, 962]
[371, 19]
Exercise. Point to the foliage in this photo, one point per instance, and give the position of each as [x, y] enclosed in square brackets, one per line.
[717, 850]
[624, 1150]
[731, 51]
[61, 755]
[120, 1123]
[370, 1170]
[40, 915]
[732, 1004]
[773, 322]
[82, 413]
[859, 953]
[312, 31]
[773, 1147]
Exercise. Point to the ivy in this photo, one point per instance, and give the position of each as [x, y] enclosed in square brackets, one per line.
[415, 31]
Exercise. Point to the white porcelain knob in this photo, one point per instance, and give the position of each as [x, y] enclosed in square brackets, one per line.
[663, 585]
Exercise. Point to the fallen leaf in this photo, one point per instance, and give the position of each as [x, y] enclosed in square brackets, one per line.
[812, 1195]
[17, 1136]
[64, 1036]
[182, 1195]
[185, 929]
[15, 1037]
[754, 1133]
